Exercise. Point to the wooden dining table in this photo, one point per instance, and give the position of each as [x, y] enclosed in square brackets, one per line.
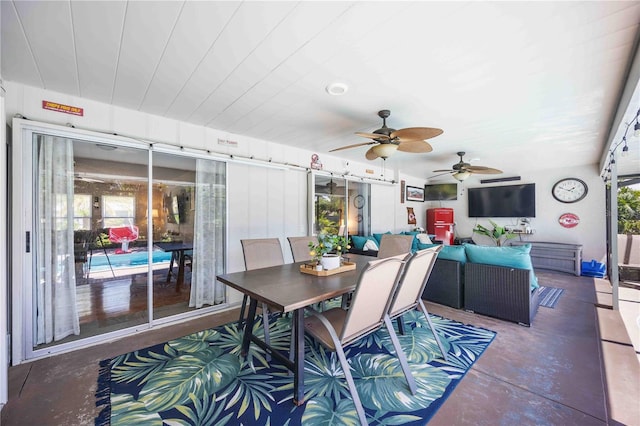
[285, 289]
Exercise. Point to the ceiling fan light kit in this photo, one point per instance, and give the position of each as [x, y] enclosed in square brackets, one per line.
[388, 140]
[462, 170]
[385, 150]
[460, 176]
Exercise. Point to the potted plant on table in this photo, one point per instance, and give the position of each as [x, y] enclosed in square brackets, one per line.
[328, 252]
[498, 234]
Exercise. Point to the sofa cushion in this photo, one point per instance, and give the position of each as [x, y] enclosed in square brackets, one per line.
[456, 253]
[359, 241]
[511, 257]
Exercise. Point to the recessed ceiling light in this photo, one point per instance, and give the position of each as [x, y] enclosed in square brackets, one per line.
[337, 89]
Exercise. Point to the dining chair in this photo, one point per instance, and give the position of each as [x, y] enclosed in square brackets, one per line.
[260, 253]
[337, 328]
[408, 295]
[393, 245]
[300, 247]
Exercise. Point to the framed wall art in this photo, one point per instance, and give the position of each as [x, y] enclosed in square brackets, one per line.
[415, 194]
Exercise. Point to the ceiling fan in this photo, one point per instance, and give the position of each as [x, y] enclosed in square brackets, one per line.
[387, 140]
[462, 170]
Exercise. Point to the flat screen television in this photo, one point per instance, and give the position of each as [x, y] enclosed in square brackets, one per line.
[441, 192]
[503, 201]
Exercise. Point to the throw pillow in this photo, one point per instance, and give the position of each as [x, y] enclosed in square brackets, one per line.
[456, 253]
[424, 239]
[512, 257]
[370, 245]
[358, 241]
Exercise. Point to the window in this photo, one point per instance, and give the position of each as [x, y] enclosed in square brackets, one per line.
[81, 211]
[118, 210]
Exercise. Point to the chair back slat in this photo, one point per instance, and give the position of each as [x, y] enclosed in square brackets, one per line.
[262, 253]
[300, 247]
[394, 245]
[372, 296]
[413, 281]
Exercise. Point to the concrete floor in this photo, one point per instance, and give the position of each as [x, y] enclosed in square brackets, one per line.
[576, 365]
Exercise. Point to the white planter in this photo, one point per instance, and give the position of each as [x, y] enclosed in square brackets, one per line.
[330, 261]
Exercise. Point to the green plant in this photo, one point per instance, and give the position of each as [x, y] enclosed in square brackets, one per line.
[498, 234]
[329, 243]
[628, 211]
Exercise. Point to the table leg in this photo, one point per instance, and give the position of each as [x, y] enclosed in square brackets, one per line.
[298, 362]
[170, 272]
[248, 327]
[180, 279]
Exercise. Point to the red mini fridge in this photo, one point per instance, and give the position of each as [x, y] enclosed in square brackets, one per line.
[440, 224]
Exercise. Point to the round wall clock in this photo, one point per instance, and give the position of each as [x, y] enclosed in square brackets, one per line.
[569, 190]
[359, 201]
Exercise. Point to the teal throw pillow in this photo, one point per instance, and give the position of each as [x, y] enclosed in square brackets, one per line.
[359, 241]
[512, 257]
[378, 237]
[456, 253]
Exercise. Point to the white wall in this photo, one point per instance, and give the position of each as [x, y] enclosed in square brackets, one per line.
[590, 233]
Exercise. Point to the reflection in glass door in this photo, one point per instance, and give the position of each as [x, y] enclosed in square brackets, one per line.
[90, 238]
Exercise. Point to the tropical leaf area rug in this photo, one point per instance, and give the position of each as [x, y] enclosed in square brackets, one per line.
[201, 379]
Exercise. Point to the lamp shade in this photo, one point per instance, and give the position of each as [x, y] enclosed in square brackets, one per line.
[461, 176]
[385, 150]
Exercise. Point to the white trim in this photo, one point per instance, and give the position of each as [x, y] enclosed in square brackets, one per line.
[4, 277]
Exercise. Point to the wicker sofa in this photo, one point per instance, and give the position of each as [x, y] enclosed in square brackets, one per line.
[446, 284]
[500, 292]
[474, 278]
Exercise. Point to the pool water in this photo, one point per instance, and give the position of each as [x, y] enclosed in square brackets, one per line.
[127, 260]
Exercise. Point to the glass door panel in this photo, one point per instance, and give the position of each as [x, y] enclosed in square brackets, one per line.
[90, 239]
[173, 212]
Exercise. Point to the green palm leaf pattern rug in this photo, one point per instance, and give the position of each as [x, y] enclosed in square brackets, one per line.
[201, 379]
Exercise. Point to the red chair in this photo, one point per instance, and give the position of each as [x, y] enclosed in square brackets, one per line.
[123, 235]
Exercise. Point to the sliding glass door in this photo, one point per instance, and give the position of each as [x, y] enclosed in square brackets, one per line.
[120, 237]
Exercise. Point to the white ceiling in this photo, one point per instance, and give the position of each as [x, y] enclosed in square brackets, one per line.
[517, 85]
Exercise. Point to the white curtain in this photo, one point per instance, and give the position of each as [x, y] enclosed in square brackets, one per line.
[56, 311]
[208, 242]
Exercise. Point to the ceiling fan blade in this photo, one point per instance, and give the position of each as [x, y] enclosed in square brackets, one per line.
[416, 133]
[373, 136]
[353, 146]
[481, 170]
[447, 172]
[415, 146]
[370, 155]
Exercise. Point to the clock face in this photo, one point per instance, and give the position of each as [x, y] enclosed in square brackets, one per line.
[569, 190]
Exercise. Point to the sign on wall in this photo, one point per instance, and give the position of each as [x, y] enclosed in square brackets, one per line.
[67, 109]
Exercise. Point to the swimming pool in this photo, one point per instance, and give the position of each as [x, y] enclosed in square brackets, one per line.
[99, 262]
